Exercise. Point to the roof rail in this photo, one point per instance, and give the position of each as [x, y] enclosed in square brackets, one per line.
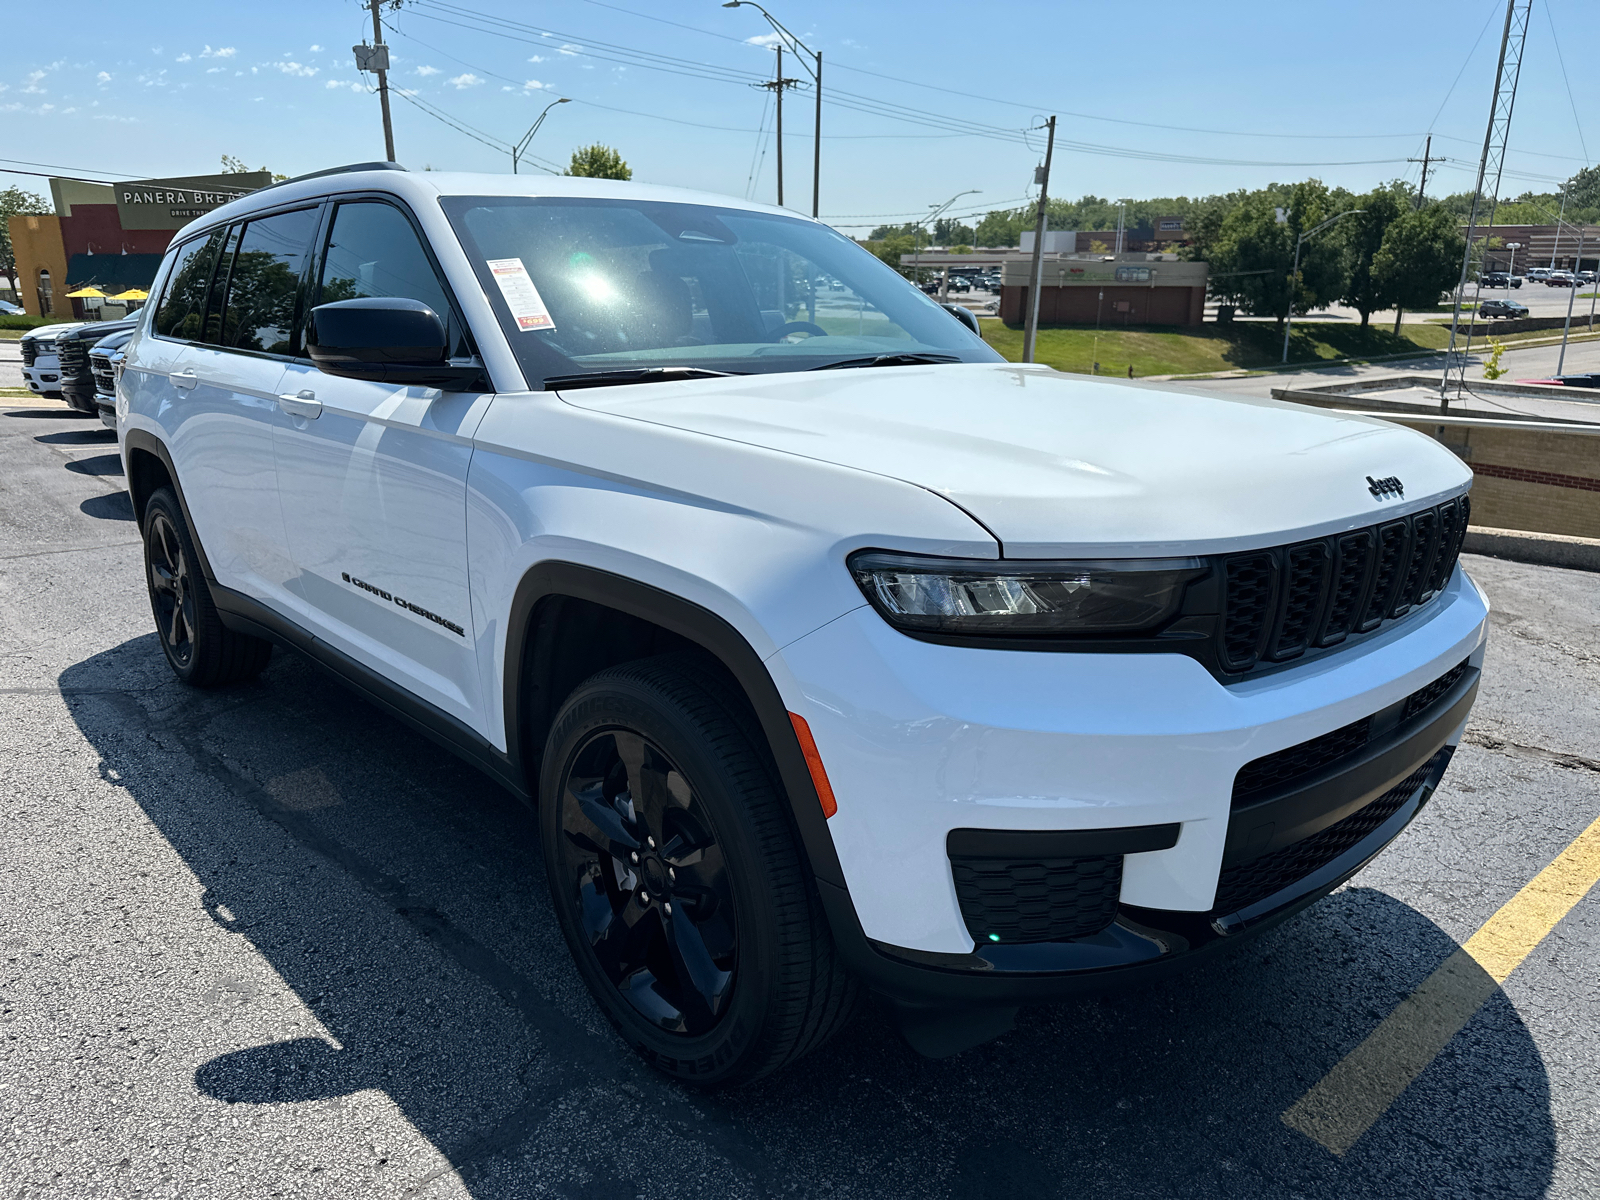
[344, 170]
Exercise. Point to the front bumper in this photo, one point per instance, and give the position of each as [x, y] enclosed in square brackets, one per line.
[43, 378]
[922, 741]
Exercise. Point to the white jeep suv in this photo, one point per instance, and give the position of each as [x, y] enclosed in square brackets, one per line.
[829, 649]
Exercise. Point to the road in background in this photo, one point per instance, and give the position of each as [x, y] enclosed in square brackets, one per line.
[266, 941]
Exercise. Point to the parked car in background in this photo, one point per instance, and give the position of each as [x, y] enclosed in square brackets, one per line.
[41, 369]
[1502, 308]
[10, 309]
[1560, 279]
[1591, 380]
[77, 380]
[1586, 276]
[1501, 279]
[1537, 274]
[103, 362]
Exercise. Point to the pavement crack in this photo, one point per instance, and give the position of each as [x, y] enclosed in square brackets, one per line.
[1570, 762]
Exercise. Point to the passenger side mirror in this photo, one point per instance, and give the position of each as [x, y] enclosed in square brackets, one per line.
[386, 339]
[963, 314]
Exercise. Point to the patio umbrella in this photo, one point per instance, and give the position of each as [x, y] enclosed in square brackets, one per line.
[86, 293]
[132, 294]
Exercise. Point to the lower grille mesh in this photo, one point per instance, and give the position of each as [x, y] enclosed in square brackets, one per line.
[1045, 900]
[1245, 884]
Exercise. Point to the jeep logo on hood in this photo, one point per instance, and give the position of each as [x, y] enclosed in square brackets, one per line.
[1389, 485]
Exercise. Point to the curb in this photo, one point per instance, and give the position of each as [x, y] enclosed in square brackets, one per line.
[1544, 549]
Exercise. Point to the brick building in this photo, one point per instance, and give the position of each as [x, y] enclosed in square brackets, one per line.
[109, 236]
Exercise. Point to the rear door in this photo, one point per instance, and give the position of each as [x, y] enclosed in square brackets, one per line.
[372, 478]
[231, 373]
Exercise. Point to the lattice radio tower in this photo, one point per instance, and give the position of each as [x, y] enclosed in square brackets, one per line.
[1489, 168]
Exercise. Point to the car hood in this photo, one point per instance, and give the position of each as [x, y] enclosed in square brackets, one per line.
[1063, 464]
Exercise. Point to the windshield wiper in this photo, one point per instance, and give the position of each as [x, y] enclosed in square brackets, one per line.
[909, 359]
[632, 375]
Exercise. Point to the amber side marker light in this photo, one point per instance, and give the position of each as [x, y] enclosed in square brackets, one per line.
[819, 777]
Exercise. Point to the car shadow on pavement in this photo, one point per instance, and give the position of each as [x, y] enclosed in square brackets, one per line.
[399, 897]
[77, 437]
[113, 506]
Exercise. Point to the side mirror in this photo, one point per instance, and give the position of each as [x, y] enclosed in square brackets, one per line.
[963, 314]
[386, 339]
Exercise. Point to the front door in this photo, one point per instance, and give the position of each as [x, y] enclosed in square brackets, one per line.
[372, 478]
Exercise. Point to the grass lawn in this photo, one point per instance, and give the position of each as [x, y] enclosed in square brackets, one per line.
[1167, 350]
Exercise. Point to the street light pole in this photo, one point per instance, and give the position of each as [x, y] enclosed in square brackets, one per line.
[938, 211]
[517, 150]
[1030, 327]
[1295, 274]
[800, 50]
[1572, 294]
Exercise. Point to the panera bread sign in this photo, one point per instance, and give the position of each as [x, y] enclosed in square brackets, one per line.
[173, 203]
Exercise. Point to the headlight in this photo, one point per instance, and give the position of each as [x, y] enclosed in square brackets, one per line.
[997, 598]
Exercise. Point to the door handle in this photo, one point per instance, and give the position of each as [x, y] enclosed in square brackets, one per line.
[185, 378]
[302, 404]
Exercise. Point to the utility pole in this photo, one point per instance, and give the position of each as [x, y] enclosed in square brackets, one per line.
[1294, 275]
[800, 50]
[777, 85]
[380, 64]
[1030, 332]
[1572, 294]
[1422, 187]
[1506, 75]
[1427, 155]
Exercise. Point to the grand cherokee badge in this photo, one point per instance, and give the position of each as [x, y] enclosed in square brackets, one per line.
[1389, 485]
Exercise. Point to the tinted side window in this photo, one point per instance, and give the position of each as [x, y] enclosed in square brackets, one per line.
[184, 302]
[219, 289]
[265, 283]
[374, 251]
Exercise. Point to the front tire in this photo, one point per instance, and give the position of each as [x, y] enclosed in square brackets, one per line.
[677, 880]
[200, 650]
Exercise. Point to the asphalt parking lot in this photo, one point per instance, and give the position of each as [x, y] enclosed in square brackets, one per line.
[266, 942]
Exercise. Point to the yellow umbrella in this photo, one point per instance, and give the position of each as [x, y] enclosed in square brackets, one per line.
[132, 294]
[86, 294]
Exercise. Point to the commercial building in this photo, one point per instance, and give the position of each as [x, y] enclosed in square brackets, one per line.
[109, 237]
[1518, 247]
[1109, 290]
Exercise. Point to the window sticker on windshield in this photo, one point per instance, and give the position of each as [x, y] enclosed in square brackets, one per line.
[522, 298]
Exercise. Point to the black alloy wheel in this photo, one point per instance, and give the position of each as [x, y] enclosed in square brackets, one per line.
[677, 878]
[171, 588]
[654, 896]
[200, 649]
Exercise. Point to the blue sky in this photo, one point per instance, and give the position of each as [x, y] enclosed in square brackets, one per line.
[922, 100]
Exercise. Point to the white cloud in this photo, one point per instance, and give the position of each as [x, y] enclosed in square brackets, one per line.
[538, 58]
[73, 109]
[32, 79]
[294, 68]
[569, 48]
[425, 71]
[183, 58]
[764, 39]
[345, 83]
[464, 81]
[117, 117]
[215, 70]
[103, 77]
[533, 85]
[316, 50]
[221, 52]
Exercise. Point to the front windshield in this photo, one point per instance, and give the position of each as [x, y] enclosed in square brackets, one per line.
[589, 285]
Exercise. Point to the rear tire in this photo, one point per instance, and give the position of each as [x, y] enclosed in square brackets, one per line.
[678, 881]
[200, 649]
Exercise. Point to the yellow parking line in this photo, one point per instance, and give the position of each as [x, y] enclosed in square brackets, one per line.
[1360, 1089]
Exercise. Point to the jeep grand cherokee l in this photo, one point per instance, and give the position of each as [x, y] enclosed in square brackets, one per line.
[829, 649]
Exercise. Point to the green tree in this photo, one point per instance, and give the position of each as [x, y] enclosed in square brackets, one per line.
[1420, 257]
[236, 166]
[1003, 228]
[598, 162]
[892, 247]
[1583, 189]
[1252, 255]
[14, 202]
[947, 231]
[1360, 238]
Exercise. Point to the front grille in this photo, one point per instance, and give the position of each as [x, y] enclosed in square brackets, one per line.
[1248, 883]
[1273, 771]
[1039, 900]
[105, 380]
[1280, 603]
[74, 358]
[30, 352]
